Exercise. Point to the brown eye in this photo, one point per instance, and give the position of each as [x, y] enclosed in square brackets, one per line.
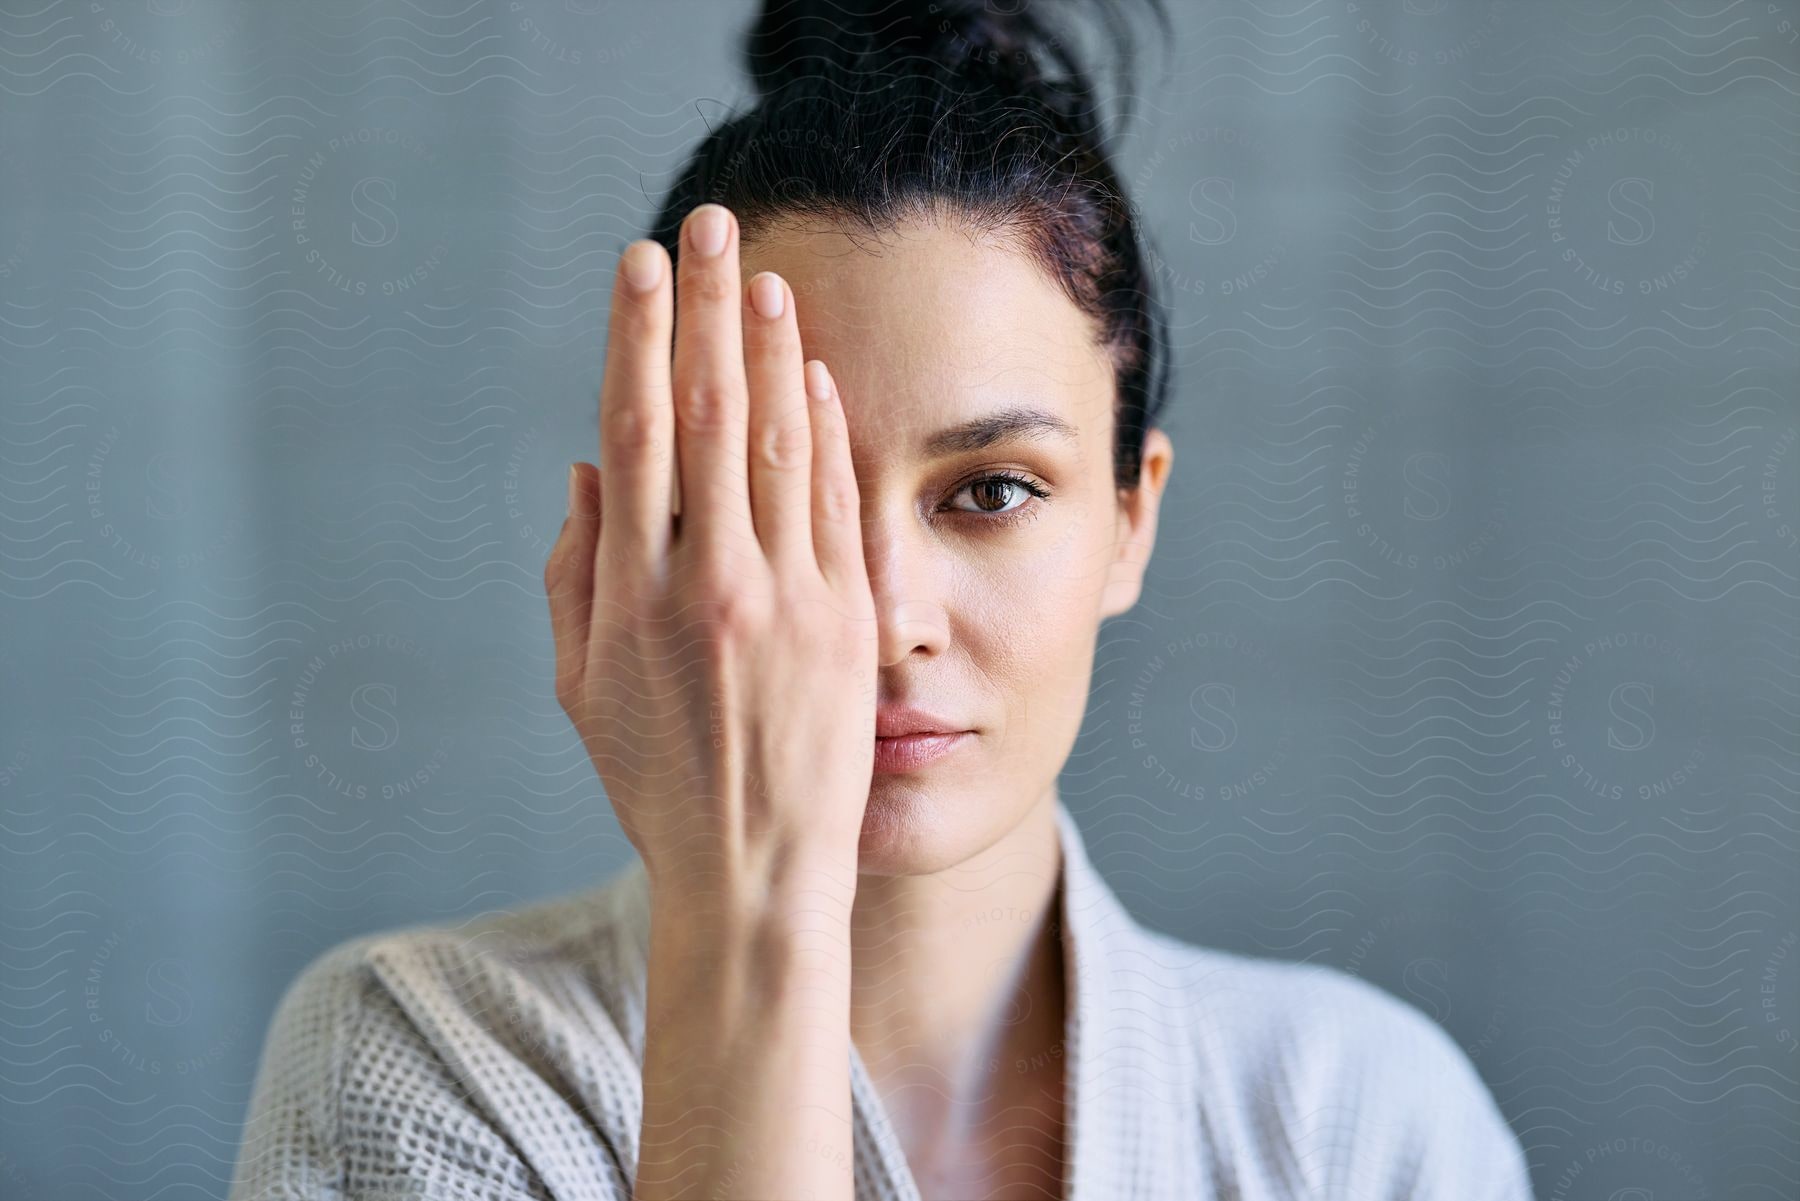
[1002, 496]
[993, 494]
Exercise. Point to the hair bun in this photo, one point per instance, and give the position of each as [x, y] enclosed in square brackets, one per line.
[1004, 40]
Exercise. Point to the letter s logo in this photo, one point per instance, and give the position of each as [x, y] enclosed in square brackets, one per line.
[1630, 198]
[171, 1002]
[166, 488]
[1210, 199]
[366, 201]
[365, 704]
[1427, 492]
[1632, 698]
[1429, 980]
[1219, 701]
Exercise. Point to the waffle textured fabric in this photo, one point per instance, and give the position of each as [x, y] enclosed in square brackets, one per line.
[499, 1060]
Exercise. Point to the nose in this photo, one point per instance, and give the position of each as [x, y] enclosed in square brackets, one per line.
[909, 616]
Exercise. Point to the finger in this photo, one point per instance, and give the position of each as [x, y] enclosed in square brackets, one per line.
[637, 423]
[569, 576]
[710, 393]
[836, 506]
[780, 427]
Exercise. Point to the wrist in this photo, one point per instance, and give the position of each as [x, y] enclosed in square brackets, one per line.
[758, 892]
[795, 915]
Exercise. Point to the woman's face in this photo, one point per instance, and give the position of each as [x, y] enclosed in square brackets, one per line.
[989, 598]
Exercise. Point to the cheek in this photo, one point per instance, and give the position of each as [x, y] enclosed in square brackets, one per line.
[1027, 623]
[1056, 568]
[1060, 548]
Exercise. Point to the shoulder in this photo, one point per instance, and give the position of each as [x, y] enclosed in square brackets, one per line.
[1363, 1091]
[465, 1034]
[1279, 1007]
[456, 964]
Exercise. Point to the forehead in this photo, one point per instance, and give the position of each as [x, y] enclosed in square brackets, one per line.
[932, 322]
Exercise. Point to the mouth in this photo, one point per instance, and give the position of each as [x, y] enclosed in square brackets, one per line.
[909, 752]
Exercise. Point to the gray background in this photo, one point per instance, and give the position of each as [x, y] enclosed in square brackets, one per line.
[1468, 662]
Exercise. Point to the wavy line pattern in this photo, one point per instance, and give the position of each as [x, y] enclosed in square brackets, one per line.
[1469, 661]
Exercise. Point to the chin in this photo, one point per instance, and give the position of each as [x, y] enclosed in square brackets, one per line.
[916, 825]
[903, 829]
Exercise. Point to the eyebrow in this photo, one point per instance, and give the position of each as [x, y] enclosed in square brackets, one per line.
[1000, 426]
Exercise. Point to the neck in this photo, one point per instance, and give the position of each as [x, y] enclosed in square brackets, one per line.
[956, 977]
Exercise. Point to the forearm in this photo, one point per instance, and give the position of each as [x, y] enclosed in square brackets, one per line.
[747, 1051]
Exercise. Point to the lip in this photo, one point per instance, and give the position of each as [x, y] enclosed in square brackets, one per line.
[895, 721]
[909, 752]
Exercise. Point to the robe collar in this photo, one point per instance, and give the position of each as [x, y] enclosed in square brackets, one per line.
[1120, 1092]
[1098, 937]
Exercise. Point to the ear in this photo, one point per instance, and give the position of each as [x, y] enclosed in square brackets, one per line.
[1138, 509]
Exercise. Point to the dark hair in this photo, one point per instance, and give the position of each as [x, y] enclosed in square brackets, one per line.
[871, 111]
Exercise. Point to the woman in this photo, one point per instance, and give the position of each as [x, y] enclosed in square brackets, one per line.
[825, 621]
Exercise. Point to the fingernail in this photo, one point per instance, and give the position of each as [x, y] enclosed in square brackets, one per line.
[572, 484]
[643, 266]
[818, 380]
[707, 229]
[766, 295]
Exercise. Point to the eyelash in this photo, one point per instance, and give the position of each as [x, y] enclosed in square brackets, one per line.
[1024, 512]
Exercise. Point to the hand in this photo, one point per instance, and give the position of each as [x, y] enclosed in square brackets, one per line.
[720, 666]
